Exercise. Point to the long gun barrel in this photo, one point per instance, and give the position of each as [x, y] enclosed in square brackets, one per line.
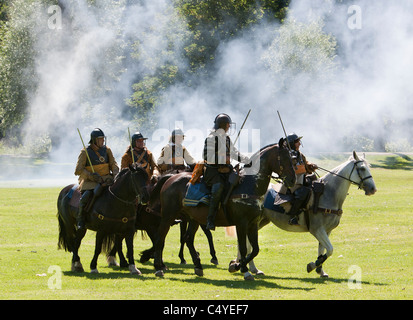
[87, 154]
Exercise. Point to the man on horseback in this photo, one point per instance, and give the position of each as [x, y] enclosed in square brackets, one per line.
[141, 155]
[301, 190]
[174, 155]
[96, 166]
[218, 152]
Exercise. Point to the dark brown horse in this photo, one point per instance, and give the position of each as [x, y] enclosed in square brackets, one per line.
[112, 213]
[148, 219]
[244, 209]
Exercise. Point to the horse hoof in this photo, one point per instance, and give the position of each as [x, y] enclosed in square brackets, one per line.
[159, 273]
[111, 260]
[259, 273]
[310, 267]
[77, 267]
[248, 276]
[94, 271]
[214, 261]
[233, 266]
[183, 262]
[134, 270]
[199, 272]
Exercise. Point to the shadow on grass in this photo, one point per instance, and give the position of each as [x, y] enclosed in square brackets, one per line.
[234, 281]
[398, 161]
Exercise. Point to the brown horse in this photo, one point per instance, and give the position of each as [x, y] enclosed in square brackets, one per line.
[112, 213]
[244, 209]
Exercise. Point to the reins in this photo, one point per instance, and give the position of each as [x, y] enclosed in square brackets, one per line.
[359, 185]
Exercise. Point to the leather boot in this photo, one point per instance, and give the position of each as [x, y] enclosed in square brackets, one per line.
[216, 194]
[80, 220]
[301, 196]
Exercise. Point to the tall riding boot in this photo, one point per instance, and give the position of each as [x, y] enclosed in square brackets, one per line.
[96, 193]
[216, 194]
[301, 196]
[294, 212]
[81, 213]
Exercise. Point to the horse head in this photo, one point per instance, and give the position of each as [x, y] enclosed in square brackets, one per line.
[139, 178]
[286, 169]
[361, 176]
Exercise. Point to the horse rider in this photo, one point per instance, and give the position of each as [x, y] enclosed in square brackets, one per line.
[304, 174]
[174, 155]
[218, 152]
[92, 181]
[141, 155]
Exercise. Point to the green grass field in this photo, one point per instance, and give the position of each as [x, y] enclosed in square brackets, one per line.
[374, 240]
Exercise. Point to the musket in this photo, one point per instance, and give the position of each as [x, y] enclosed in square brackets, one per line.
[282, 124]
[239, 132]
[131, 147]
[87, 154]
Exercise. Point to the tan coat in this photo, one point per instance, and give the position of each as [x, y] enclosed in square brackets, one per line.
[106, 170]
[174, 155]
[144, 158]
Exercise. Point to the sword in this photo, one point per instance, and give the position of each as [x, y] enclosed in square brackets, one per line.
[131, 147]
[239, 132]
[286, 137]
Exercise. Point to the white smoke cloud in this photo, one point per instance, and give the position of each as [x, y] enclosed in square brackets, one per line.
[366, 86]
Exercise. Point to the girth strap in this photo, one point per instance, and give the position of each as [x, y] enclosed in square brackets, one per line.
[327, 211]
[123, 220]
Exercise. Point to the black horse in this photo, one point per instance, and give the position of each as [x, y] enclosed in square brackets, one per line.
[242, 210]
[148, 219]
[112, 213]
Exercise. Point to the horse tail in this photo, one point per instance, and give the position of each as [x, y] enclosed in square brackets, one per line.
[144, 235]
[108, 243]
[67, 228]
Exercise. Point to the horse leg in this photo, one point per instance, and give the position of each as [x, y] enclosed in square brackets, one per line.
[131, 259]
[324, 242]
[252, 240]
[117, 248]
[147, 254]
[212, 252]
[159, 245]
[251, 264]
[183, 228]
[76, 264]
[190, 235]
[98, 249]
[242, 245]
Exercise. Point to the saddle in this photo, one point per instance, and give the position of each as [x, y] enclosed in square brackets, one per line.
[282, 202]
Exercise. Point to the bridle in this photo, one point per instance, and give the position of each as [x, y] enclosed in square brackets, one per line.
[136, 189]
[359, 184]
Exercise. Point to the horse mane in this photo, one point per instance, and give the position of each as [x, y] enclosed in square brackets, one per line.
[259, 152]
[337, 169]
[126, 170]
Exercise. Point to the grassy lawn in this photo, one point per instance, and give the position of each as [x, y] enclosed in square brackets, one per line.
[374, 240]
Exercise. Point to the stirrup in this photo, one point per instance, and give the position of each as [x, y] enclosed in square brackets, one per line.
[293, 221]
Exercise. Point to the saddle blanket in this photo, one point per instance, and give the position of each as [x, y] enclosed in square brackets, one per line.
[197, 193]
[74, 196]
[269, 201]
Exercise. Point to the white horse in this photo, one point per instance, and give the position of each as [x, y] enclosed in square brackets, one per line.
[337, 183]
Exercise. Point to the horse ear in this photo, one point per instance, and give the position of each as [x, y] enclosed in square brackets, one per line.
[281, 143]
[355, 156]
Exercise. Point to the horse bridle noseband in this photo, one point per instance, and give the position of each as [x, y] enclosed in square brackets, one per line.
[360, 184]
